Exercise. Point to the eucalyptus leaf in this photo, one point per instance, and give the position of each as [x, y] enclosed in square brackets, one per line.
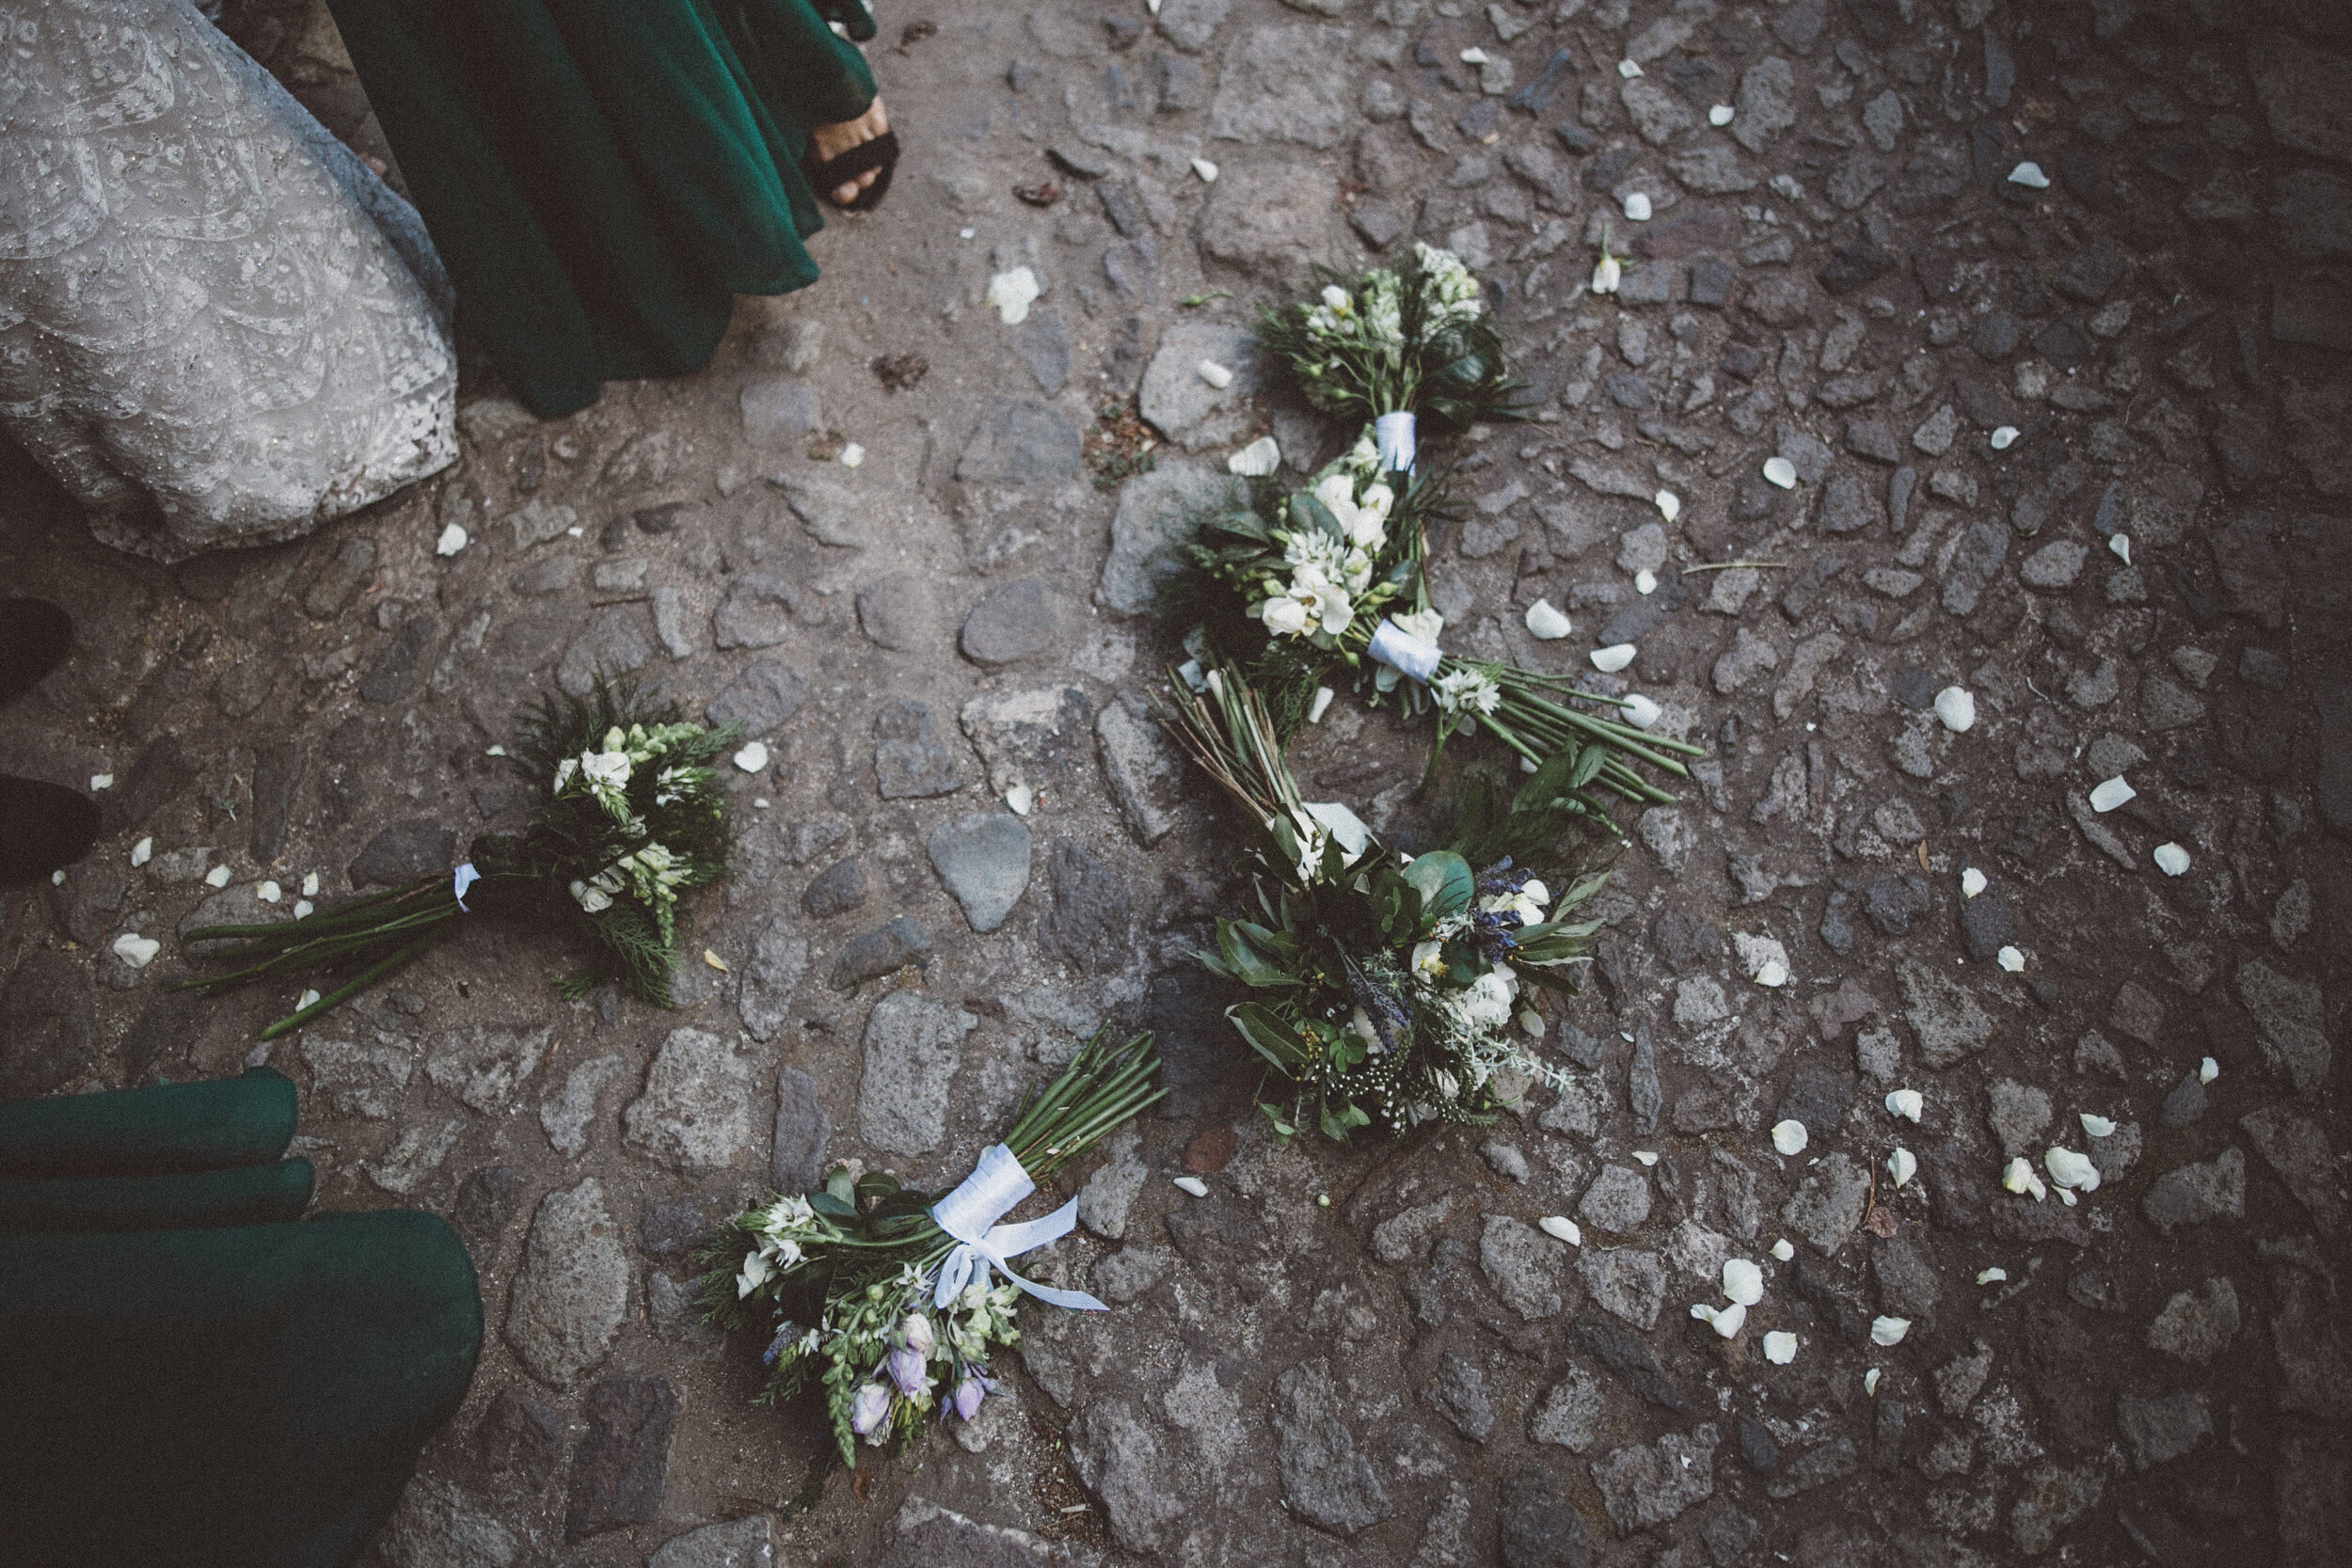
[1445, 883]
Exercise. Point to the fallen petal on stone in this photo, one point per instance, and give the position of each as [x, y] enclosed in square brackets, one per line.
[852, 456]
[2207, 1070]
[1020, 798]
[1614, 658]
[1012, 294]
[1629, 70]
[1473, 55]
[2020, 1178]
[1871, 1383]
[268, 893]
[303, 909]
[1906, 1103]
[2110, 794]
[2004, 438]
[1669, 505]
[1902, 1165]
[1780, 471]
[216, 877]
[143, 851]
[135, 950]
[1889, 1331]
[1207, 170]
[2070, 1169]
[1993, 1276]
[1322, 705]
[1258, 459]
[1956, 706]
[754, 758]
[1194, 1185]
[1971, 882]
[2011, 959]
[1563, 1227]
[1789, 1137]
[1780, 1347]
[1783, 1249]
[1546, 623]
[2030, 175]
[1637, 207]
[1743, 1282]
[452, 539]
[1719, 115]
[1640, 712]
[305, 1000]
[310, 885]
[2097, 1127]
[1216, 374]
[2122, 545]
[100, 781]
[1728, 1321]
[2172, 859]
[1645, 582]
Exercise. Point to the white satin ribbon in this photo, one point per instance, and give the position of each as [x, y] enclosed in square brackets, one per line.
[460, 879]
[1393, 433]
[970, 1215]
[1393, 646]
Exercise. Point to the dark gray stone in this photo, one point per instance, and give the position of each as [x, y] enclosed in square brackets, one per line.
[518, 1439]
[393, 675]
[1043, 342]
[1460, 1395]
[404, 852]
[622, 1461]
[614, 644]
[912, 1048]
[779, 959]
[840, 889]
[983, 860]
[909, 764]
[277, 769]
[2157, 1431]
[760, 699]
[1090, 921]
[1326, 1480]
[1019, 442]
[48, 1030]
[1974, 564]
[571, 1293]
[2198, 1193]
[486, 1202]
[756, 613]
[803, 1128]
[1011, 622]
[1540, 1527]
[882, 951]
[1646, 1484]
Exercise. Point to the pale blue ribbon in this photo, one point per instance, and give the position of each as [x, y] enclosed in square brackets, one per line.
[1393, 433]
[970, 1215]
[460, 879]
[1393, 646]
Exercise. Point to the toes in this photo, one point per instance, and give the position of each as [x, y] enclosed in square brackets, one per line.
[844, 194]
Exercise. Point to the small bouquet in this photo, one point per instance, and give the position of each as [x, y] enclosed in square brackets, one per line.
[626, 817]
[1295, 588]
[1393, 983]
[1388, 346]
[885, 1292]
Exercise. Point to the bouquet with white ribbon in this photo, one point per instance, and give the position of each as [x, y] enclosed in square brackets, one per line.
[626, 816]
[1391, 989]
[888, 1295]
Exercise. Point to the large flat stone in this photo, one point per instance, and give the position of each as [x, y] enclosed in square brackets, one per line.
[1019, 442]
[913, 1049]
[696, 1113]
[571, 1293]
[2292, 1015]
[483, 1067]
[622, 1461]
[1186, 409]
[1290, 83]
[1159, 514]
[983, 860]
[1326, 1480]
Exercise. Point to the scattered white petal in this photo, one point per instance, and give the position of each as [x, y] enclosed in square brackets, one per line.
[1532, 1023]
[1561, 1226]
[1646, 1156]
[2122, 545]
[2030, 175]
[1194, 1185]
[1871, 1383]
[1789, 1137]
[1669, 505]
[1993, 1276]
[100, 781]
[2004, 438]
[1207, 170]
[2011, 958]
[1323, 705]
[1614, 658]
[452, 539]
[1637, 207]
[1783, 1249]
[307, 998]
[2066, 1196]
[2172, 859]
[2095, 1126]
[754, 758]
[1728, 1321]
[2070, 1169]
[1902, 1165]
[577, 533]
[135, 950]
[1956, 706]
[1780, 1347]
[216, 877]
[143, 851]
[1628, 68]
[1782, 472]
[716, 962]
[1012, 293]
[2020, 1177]
[1889, 1331]
[852, 456]
[1971, 882]
[1719, 115]
[1640, 712]
[310, 885]
[2207, 1070]
[1473, 55]
[1546, 624]
[303, 908]
[759, 802]
[1645, 582]
[1257, 460]
[2112, 793]
[56, 879]
[1020, 798]
[1606, 274]
[495, 751]
[966, 232]
[1906, 1103]
[1765, 959]
[1216, 374]
[268, 893]
[1743, 1282]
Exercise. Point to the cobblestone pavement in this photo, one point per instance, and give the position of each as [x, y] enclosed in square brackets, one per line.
[1844, 273]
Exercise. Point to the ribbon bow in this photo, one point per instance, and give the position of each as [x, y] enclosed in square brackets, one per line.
[970, 1215]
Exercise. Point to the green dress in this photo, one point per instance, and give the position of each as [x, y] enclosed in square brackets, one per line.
[602, 176]
[188, 1375]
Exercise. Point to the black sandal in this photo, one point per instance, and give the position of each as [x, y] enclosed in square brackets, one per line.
[880, 152]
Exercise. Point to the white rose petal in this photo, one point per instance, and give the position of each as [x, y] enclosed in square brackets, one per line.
[1993, 1276]
[1743, 1282]
[1719, 115]
[2207, 1070]
[1789, 1137]
[1020, 798]
[143, 851]
[303, 908]
[2011, 960]
[1614, 658]
[1640, 712]
[1971, 882]
[1906, 1103]
[1728, 1321]
[2070, 1169]
[452, 539]
[1321, 704]
[2114, 792]
[308, 998]
[100, 781]
[1889, 1331]
[1532, 1023]
[1563, 1227]
[1902, 1165]
[216, 877]
[1474, 57]
[1546, 624]
[1215, 374]
[1783, 1249]
[754, 758]
[310, 885]
[2020, 1178]
[2122, 545]
[1781, 472]
[1956, 706]
[2172, 859]
[1207, 170]
[1629, 70]
[135, 950]
[1669, 505]
[1645, 582]
[1258, 459]
[1780, 1347]
[1870, 1382]
[1765, 959]
[56, 879]
[1194, 1185]
[2097, 1127]
[852, 456]
[1012, 293]
[1646, 1156]
[2004, 438]
[2030, 175]
[1637, 207]
[268, 893]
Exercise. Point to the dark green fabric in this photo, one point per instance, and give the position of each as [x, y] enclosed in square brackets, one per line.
[255, 1195]
[254, 1396]
[156, 1132]
[602, 176]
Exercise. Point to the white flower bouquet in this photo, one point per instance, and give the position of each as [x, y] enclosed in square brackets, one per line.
[1393, 987]
[885, 1294]
[626, 817]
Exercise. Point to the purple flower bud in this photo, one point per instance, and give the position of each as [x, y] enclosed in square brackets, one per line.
[868, 1410]
[905, 1368]
[916, 1334]
[968, 1397]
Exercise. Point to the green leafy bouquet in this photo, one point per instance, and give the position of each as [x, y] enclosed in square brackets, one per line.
[883, 1294]
[1391, 986]
[626, 817]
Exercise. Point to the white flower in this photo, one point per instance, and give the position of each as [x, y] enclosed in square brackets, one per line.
[1487, 1002]
[1466, 690]
[608, 769]
[1606, 274]
[563, 771]
[1321, 603]
[1284, 616]
[592, 899]
[756, 1273]
[1012, 294]
[1336, 297]
[1429, 958]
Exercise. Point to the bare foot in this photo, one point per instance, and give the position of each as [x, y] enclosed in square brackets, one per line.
[834, 140]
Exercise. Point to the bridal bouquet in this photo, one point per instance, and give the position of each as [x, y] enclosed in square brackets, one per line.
[1391, 984]
[884, 1293]
[626, 817]
[1388, 346]
[1296, 589]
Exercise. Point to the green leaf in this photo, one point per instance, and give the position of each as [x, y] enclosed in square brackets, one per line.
[1269, 1035]
[1309, 513]
[1445, 883]
[1589, 763]
[1282, 1130]
[1337, 1124]
[1241, 958]
[1552, 780]
[1585, 887]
